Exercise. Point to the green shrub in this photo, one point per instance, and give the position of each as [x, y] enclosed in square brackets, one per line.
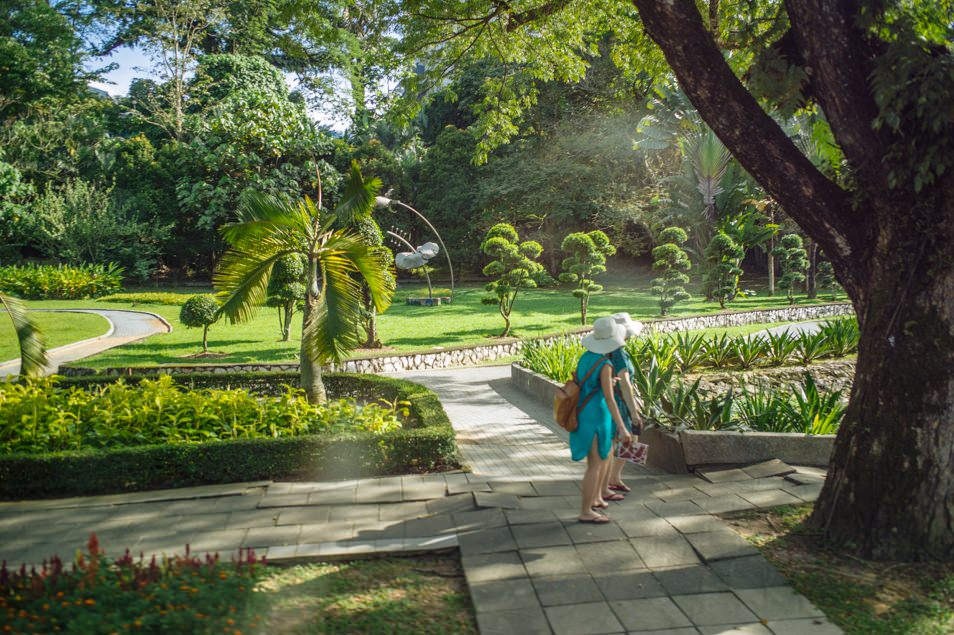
[671, 262]
[38, 416]
[147, 297]
[842, 335]
[181, 594]
[60, 282]
[200, 311]
[425, 443]
[556, 358]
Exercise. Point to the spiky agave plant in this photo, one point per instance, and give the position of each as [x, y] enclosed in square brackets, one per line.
[33, 358]
[339, 261]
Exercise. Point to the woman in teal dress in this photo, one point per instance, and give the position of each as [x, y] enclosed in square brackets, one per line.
[626, 401]
[593, 438]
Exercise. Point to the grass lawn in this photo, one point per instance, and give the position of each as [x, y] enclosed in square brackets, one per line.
[863, 598]
[406, 328]
[424, 595]
[58, 329]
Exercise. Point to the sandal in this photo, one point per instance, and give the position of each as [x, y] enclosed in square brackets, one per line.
[614, 498]
[599, 520]
[620, 487]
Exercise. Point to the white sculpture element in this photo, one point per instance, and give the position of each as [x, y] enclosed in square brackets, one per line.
[416, 258]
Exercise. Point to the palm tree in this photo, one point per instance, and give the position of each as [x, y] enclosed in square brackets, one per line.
[271, 227]
[33, 358]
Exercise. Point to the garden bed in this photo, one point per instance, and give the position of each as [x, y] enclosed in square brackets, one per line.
[687, 450]
[424, 443]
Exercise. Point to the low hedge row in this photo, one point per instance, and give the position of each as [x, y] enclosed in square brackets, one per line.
[426, 443]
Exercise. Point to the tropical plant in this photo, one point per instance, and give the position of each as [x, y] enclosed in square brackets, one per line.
[286, 290]
[793, 261]
[200, 311]
[514, 265]
[587, 259]
[271, 227]
[813, 412]
[61, 282]
[556, 358]
[723, 256]
[825, 278]
[672, 263]
[748, 351]
[651, 382]
[660, 351]
[719, 351]
[811, 346]
[843, 335]
[690, 351]
[781, 346]
[765, 410]
[33, 359]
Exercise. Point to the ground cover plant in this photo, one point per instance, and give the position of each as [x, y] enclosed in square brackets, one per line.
[860, 596]
[60, 282]
[97, 595]
[37, 415]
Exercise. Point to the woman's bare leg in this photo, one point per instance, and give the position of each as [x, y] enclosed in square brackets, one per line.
[591, 482]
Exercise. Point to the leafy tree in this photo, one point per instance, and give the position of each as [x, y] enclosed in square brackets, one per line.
[14, 193]
[671, 262]
[286, 290]
[825, 277]
[587, 259]
[33, 359]
[200, 311]
[723, 256]
[793, 261]
[271, 227]
[514, 266]
[219, 77]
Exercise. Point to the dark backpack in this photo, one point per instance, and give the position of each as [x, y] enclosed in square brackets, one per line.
[566, 402]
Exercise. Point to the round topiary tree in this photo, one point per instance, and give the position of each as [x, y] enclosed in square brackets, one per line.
[514, 267]
[723, 255]
[587, 259]
[671, 262]
[200, 310]
[793, 260]
[286, 290]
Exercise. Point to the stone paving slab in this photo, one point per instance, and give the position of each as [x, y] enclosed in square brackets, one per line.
[502, 595]
[778, 603]
[665, 551]
[629, 585]
[774, 467]
[603, 557]
[552, 561]
[493, 499]
[575, 589]
[710, 609]
[803, 627]
[689, 580]
[531, 621]
[650, 615]
[721, 545]
[591, 618]
[771, 498]
[724, 476]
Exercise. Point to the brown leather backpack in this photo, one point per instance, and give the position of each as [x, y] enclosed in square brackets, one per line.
[566, 402]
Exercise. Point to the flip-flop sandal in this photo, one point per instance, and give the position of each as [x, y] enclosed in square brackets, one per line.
[600, 520]
[598, 508]
[619, 487]
[614, 497]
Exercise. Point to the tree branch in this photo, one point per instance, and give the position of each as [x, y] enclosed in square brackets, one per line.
[819, 206]
[516, 20]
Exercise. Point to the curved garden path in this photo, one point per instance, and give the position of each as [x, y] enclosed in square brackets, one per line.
[125, 327]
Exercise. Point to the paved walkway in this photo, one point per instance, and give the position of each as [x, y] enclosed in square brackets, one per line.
[663, 566]
[124, 327]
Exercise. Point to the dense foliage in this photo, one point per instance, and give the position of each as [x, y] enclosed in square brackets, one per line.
[95, 594]
[60, 282]
[39, 416]
[793, 261]
[586, 260]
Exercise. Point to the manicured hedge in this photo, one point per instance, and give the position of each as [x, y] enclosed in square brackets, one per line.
[425, 444]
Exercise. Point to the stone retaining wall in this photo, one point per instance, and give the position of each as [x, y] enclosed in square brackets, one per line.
[472, 355]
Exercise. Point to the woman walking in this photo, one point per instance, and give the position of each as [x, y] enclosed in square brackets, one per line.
[598, 413]
[626, 399]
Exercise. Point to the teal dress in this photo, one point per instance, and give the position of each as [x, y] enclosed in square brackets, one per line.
[595, 419]
[623, 362]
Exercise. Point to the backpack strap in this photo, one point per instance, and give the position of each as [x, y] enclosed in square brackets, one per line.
[586, 400]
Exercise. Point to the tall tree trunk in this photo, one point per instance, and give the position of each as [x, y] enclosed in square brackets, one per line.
[372, 339]
[811, 288]
[311, 381]
[289, 310]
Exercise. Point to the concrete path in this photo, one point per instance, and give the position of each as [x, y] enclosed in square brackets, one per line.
[125, 327]
[664, 565]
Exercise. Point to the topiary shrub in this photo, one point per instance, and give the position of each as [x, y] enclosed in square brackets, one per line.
[671, 262]
[793, 260]
[587, 259]
[286, 290]
[200, 311]
[514, 267]
[723, 255]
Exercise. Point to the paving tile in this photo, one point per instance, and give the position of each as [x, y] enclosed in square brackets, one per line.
[540, 535]
[646, 527]
[691, 579]
[778, 603]
[378, 530]
[665, 551]
[812, 626]
[649, 614]
[724, 504]
[311, 514]
[335, 549]
[634, 511]
[582, 533]
[222, 540]
[450, 504]
[552, 561]
[529, 516]
[771, 498]
[325, 532]
[628, 585]
[721, 545]
[480, 519]
[254, 518]
[808, 493]
[603, 557]
[517, 488]
[284, 500]
[493, 499]
[709, 609]
[773, 467]
[697, 524]
[688, 630]
[724, 476]
[463, 488]
[354, 513]
[431, 543]
[502, 595]
[739, 629]
[673, 495]
[493, 566]
[677, 508]
[583, 619]
[379, 493]
[402, 511]
[574, 589]
[283, 552]
[272, 536]
[423, 491]
[430, 526]
[477, 541]
[549, 503]
[752, 572]
[344, 496]
[557, 488]
[531, 621]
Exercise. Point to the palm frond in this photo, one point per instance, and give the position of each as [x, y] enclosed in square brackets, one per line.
[266, 215]
[374, 267]
[33, 359]
[331, 332]
[242, 282]
[357, 200]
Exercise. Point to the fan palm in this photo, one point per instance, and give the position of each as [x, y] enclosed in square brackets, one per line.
[33, 358]
[339, 261]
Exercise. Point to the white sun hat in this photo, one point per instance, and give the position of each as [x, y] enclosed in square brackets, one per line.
[606, 337]
[633, 327]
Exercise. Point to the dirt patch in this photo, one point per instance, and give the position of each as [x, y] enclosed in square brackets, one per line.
[209, 355]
